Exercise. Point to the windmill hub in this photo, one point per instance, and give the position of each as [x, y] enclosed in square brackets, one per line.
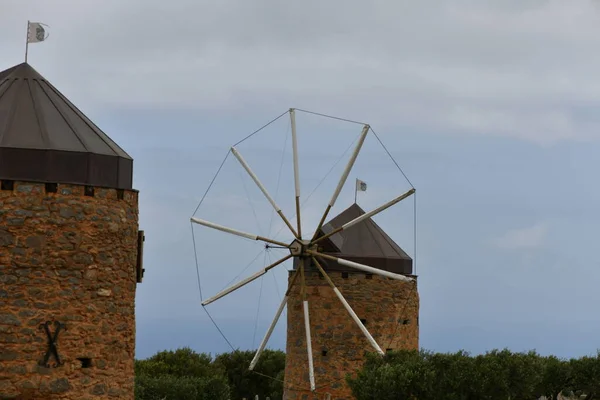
[299, 247]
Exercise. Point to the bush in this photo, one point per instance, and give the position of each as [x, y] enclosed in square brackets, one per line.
[496, 375]
[186, 375]
[170, 387]
[178, 375]
[181, 362]
[265, 381]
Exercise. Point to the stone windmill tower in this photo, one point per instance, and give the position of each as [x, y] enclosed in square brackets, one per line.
[388, 308]
[70, 249]
[351, 290]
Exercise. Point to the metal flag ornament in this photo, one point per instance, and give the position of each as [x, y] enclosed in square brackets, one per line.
[361, 186]
[35, 33]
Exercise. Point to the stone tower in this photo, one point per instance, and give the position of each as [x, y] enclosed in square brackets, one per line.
[388, 308]
[70, 249]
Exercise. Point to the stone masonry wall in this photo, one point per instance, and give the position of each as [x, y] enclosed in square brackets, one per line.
[391, 311]
[67, 257]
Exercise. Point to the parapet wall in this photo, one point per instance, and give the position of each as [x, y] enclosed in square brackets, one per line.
[389, 309]
[68, 255]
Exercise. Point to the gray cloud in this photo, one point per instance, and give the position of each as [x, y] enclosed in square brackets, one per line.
[520, 69]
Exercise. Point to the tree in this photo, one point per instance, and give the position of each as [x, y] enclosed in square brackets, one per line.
[556, 377]
[495, 375]
[398, 375]
[167, 387]
[586, 375]
[455, 376]
[181, 362]
[265, 381]
[180, 374]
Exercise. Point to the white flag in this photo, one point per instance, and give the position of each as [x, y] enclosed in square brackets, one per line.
[36, 32]
[361, 186]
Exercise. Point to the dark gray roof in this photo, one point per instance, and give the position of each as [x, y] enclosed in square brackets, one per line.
[44, 137]
[365, 239]
[365, 243]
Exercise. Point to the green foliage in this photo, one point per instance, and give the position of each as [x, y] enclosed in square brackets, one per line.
[167, 387]
[264, 381]
[185, 374]
[180, 374]
[181, 362]
[556, 376]
[586, 376]
[453, 376]
[496, 375]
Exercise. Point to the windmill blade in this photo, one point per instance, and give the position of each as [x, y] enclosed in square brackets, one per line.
[343, 178]
[246, 281]
[367, 215]
[296, 170]
[311, 369]
[268, 334]
[236, 232]
[262, 188]
[349, 308]
[363, 267]
[272, 326]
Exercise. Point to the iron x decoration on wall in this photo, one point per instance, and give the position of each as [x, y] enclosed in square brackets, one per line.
[52, 349]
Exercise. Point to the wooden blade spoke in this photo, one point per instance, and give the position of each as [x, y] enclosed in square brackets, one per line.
[343, 178]
[246, 281]
[366, 215]
[262, 188]
[311, 369]
[272, 326]
[363, 267]
[296, 170]
[237, 232]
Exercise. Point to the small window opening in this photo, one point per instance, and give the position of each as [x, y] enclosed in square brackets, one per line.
[345, 275]
[364, 321]
[7, 185]
[324, 353]
[85, 362]
[369, 276]
[51, 187]
[120, 194]
[89, 191]
[405, 321]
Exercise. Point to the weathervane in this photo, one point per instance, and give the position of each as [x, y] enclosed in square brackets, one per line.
[361, 186]
[35, 33]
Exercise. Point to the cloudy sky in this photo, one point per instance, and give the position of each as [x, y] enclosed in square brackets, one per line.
[489, 107]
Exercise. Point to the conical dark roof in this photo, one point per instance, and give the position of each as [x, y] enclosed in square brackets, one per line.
[365, 239]
[365, 243]
[45, 138]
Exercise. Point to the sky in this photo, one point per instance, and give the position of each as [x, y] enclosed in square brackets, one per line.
[488, 107]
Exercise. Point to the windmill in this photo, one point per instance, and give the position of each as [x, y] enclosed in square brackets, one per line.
[309, 250]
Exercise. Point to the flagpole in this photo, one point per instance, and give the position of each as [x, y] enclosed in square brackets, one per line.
[27, 41]
[355, 190]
